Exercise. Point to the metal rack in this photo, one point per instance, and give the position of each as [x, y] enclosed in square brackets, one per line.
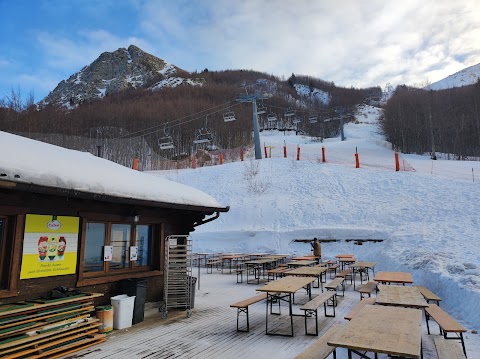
[177, 274]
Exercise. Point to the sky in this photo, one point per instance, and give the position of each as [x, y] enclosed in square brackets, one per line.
[355, 43]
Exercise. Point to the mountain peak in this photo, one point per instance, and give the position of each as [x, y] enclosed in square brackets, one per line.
[110, 72]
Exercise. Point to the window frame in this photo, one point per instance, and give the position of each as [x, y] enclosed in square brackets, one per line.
[12, 243]
[110, 275]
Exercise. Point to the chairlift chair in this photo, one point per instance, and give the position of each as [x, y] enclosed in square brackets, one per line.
[203, 135]
[296, 120]
[289, 112]
[166, 143]
[229, 116]
[261, 109]
[312, 119]
[272, 117]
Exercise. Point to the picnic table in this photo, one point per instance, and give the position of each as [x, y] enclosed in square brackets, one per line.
[401, 296]
[283, 289]
[381, 329]
[359, 266]
[309, 272]
[342, 255]
[393, 277]
[229, 258]
[306, 258]
[346, 261]
[258, 266]
[301, 263]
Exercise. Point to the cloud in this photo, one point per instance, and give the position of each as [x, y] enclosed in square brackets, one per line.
[350, 42]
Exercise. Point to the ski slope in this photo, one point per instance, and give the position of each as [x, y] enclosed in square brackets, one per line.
[428, 219]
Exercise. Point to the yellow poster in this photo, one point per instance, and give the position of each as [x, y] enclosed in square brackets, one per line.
[49, 246]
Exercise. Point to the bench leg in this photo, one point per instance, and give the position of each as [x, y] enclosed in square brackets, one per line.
[325, 307]
[460, 336]
[244, 311]
[308, 314]
[427, 317]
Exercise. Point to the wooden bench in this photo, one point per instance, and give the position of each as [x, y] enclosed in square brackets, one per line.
[242, 307]
[367, 288]
[447, 349]
[333, 285]
[428, 295]
[276, 272]
[311, 308]
[360, 305]
[333, 269]
[239, 272]
[320, 348]
[344, 274]
[446, 323]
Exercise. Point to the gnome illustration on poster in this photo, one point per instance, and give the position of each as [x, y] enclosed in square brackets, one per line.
[52, 249]
[42, 248]
[62, 244]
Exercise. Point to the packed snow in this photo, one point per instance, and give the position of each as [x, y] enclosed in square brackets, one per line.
[465, 77]
[427, 216]
[28, 161]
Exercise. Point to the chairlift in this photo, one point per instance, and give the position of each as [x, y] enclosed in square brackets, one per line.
[261, 109]
[272, 117]
[296, 120]
[166, 142]
[203, 135]
[289, 112]
[229, 116]
[312, 119]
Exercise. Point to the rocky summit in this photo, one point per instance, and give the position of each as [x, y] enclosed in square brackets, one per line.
[110, 72]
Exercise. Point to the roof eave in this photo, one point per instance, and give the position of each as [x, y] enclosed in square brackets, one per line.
[34, 188]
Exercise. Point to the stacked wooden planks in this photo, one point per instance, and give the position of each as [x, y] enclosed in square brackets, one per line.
[48, 328]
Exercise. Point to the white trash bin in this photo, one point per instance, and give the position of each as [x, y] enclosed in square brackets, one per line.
[122, 311]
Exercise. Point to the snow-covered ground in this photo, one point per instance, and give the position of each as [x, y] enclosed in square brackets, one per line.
[428, 218]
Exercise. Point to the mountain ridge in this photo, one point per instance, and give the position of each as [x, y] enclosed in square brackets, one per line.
[110, 72]
[465, 77]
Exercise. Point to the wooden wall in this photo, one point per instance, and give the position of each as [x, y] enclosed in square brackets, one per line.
[17, 204]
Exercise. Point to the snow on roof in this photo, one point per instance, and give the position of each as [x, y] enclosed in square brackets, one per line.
[28, 161]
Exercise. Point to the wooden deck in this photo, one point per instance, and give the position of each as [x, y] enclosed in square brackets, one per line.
[211, 331]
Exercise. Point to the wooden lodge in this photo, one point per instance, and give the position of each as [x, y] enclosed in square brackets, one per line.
[71, 219]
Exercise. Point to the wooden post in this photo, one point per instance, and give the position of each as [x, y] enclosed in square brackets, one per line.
[241, 154]
[135, 164]
[221, 158]
[265, 148]
[397, 162]
[298, 152]
[323, 155]
[357, 161]
[284, 150]
[194, 162]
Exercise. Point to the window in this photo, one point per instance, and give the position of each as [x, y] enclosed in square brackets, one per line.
[143, 241]
[120, 240]
[120, 237]
[94, 242]
[7, 225]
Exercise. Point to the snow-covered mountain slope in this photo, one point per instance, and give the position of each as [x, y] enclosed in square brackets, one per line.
[313, 93]
[467, 76]
[427, 218]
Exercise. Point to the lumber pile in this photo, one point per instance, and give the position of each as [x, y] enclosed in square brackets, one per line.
[48, 328]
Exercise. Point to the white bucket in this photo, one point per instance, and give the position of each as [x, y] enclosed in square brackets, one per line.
[122, 311]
